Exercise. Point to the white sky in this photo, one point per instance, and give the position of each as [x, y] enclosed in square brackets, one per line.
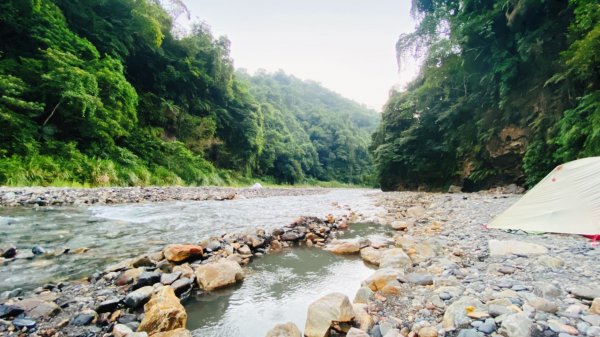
[346, 45]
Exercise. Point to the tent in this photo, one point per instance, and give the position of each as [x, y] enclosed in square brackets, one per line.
[566, 201]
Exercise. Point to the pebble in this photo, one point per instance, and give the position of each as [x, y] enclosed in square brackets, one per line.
[20, 323]
[82, 319]
[108, 305]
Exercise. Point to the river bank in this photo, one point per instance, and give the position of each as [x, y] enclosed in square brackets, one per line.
[443, 273]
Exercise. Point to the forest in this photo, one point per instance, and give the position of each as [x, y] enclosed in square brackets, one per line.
[507, 90]
[107, 92]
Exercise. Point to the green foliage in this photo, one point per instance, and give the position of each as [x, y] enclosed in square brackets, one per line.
[530, 66]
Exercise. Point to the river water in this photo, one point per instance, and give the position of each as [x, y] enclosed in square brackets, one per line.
[116, 232]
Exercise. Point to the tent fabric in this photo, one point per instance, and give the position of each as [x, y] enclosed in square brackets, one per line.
[566, 201]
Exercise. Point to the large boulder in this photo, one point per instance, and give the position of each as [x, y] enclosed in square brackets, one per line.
[385, 279]
[179, 253]
[285, 330]
[327, 311]
[516, 325]
[456, 314]
[139, 297]
[181, 332]
[163, 312]
[218, 274]
[395, 258]
[344, 247]
[510, 247]
[371, 255]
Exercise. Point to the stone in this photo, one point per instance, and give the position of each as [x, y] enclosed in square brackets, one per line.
[428, 331]
[516, 325]
[455, 315]
[180, 253]
[163, 312]
[550, 262]
[371, 255]
[147, 278]
[108, 305]
[595, 307]
[592, 319]
[416, 212]
[21, 323]
[169, 278]
[129, 276]
[185, 270]
[395, 258]
[401, 225]
[454, 189]
[139, 297]
[142, 261]
[182, 285]
[84, 318]
[382, 278]
[420, 279]
[284, 330]
[362, 319]
[244, 250]
[593, 331]
[588, 293]
[488, 326]
[469, 333]
[181, 332]
[344, 247]
[544, 305]
[218, 274]
[560, 327]
[363, 294]
[514, 247]
[37, 308]
[329, 309]
[38, 250]
[9, 252]
[8, 310]
[121, 330]
[354, 332]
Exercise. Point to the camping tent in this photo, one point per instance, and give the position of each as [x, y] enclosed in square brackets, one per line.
[566, 201]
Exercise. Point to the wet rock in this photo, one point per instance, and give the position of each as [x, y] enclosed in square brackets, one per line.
[84, 318]
[142, 261]
[185, 270]
[174, 333]
[516, 325]
[180, 253]
[21, 323]
[147, 279]
[8, 252]
[324, 312]
[416, 212]
[139, 297]
[344, 247]
[395, 258]
[218, 274]
[510, 247]
[163, 312]
[182, 285]
[371, 255]
[129, 276]
[36, 308]
[38, 250]
[588, 293]
[5, 295]
[284, 330]
[108, 305]
[455, 315]
[290, 236]
[7, 310]
[354, 332]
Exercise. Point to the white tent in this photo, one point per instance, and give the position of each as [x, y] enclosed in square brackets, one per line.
[566, 201]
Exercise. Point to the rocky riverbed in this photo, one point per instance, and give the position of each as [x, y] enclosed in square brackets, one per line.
[443, 273]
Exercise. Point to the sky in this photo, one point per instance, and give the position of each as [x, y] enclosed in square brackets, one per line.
[346, 45]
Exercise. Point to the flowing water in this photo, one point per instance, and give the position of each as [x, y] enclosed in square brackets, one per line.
[116, 232]
[278, 288]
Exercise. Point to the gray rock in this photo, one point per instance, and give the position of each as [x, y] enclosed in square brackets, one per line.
[147, 279]
[445, 296]
[169, 278]
[594, 320]
[588, 293]
[420, 279]
[488, 326]
[108, 305]
[20, 323]
[139, 297]
[469, 333]
[516, 325]
[182, 285]
[38, 250]
[82, 319]
[7, 310]
[593, 331]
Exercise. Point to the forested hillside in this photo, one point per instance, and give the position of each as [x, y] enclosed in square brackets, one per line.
[104, 93]
[507, 90]
[311, 132]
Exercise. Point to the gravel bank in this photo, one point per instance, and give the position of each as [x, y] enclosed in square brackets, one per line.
[48, 196]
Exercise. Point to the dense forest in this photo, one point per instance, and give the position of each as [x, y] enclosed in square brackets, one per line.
[104, 92]
[506, 91]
